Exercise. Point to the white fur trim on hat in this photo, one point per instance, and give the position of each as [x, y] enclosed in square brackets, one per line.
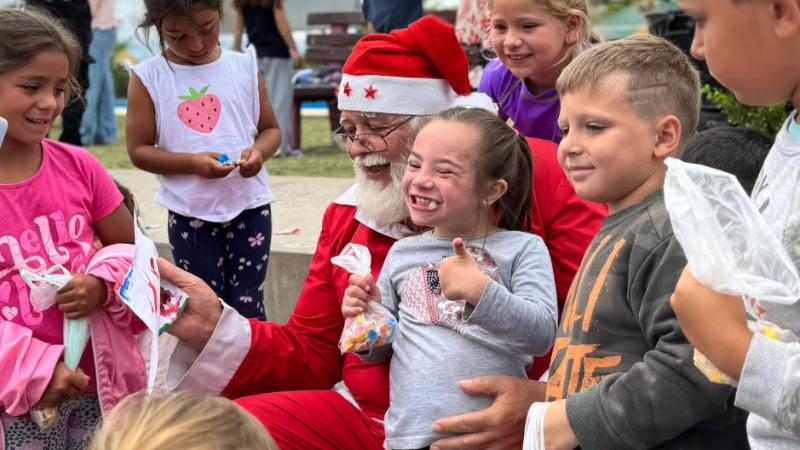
[477, 100]
[394, 95]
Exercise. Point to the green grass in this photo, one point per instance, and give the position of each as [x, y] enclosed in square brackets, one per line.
[321, 158]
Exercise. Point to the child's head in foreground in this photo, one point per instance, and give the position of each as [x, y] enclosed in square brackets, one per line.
[181, 421]
[738, 151]
[626, 106]
[750, 46]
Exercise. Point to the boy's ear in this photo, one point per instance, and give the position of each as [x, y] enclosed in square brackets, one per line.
[786, 14]
[497, 189]
[668, 140]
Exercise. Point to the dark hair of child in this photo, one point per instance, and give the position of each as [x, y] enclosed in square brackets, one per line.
[737, 151]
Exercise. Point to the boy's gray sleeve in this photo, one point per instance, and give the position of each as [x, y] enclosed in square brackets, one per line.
[524, 316]
[666, 391]
[770, 382]
[391, 301]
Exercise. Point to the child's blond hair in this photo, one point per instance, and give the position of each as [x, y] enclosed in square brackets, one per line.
[661, 80]
[181, 421]
[564, 10]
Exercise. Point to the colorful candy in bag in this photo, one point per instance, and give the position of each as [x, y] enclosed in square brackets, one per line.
[728, 246]
[376, 326]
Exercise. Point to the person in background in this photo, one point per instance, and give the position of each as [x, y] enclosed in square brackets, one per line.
[268, 30]
[76, 15]
[220, 223]
[534, 41]
[98, 124]
[385, 16]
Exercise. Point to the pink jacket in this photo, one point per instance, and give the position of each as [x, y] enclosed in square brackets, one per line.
[27, 364]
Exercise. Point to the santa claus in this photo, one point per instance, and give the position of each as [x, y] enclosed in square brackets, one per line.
[289, 372]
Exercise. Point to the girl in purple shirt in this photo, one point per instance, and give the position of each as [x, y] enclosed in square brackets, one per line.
[534, 40]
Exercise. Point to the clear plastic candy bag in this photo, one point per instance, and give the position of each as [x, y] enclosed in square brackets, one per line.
[374, 327]
[728, 246]
[43, 289]
[727, 243]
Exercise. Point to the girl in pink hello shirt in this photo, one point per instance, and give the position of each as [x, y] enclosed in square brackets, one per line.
[54, 199]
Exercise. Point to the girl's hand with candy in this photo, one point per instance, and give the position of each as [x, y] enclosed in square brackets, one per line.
[82, 296]
[207, 165]
[362, 290]
[253, 160]
[64, 385]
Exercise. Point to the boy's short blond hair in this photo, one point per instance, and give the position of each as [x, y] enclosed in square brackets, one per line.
[662, 81]
[181, 421]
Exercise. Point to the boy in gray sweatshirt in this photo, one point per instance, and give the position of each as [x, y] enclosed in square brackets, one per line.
[622, 374]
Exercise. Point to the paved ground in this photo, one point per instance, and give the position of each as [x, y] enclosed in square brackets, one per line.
[301, 202]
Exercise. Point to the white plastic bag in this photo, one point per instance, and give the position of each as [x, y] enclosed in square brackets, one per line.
[377, 325]
[43, 288]
[727, 243]
[728, 246]
[534, 427]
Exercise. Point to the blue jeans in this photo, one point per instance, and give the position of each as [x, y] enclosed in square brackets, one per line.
[231, 257]
[99, 126]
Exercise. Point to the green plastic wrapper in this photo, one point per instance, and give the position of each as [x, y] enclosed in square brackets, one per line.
[76, 336]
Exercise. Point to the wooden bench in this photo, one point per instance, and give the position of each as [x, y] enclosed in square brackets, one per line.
[331, 50]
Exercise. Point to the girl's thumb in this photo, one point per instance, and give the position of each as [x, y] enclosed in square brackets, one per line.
[460, 248]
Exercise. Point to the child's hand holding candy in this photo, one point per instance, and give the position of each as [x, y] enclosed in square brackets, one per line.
[253, 161]
[362, 289]
[82, 296]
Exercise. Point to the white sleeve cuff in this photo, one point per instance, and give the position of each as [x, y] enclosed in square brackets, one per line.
[211, 370]
[534, 427]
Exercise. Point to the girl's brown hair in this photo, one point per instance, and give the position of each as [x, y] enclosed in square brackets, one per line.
[502, 155]
[158, 10]
[181, 421]
[29, 32]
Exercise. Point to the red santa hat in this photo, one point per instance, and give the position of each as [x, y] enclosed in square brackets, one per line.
[419, 70]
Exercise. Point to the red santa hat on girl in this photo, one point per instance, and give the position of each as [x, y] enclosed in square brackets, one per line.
[416, 71]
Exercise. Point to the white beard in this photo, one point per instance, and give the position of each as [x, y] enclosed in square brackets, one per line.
[382, 204]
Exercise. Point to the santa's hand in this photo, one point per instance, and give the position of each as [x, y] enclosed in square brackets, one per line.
[203, 308]
[460, 276]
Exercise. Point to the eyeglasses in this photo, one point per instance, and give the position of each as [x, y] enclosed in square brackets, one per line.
[373, 142]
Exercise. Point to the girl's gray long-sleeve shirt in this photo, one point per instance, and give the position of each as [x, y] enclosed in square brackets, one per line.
[442, 341]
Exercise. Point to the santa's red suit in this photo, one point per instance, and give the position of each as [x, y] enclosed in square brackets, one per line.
[302, 358]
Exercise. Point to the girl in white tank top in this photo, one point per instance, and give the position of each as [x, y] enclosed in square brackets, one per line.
[190, 107]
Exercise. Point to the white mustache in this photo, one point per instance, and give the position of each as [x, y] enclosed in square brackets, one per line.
[369, 160]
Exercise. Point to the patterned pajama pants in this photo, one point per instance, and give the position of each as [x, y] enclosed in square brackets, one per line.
[77, 420]
[231, 257]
